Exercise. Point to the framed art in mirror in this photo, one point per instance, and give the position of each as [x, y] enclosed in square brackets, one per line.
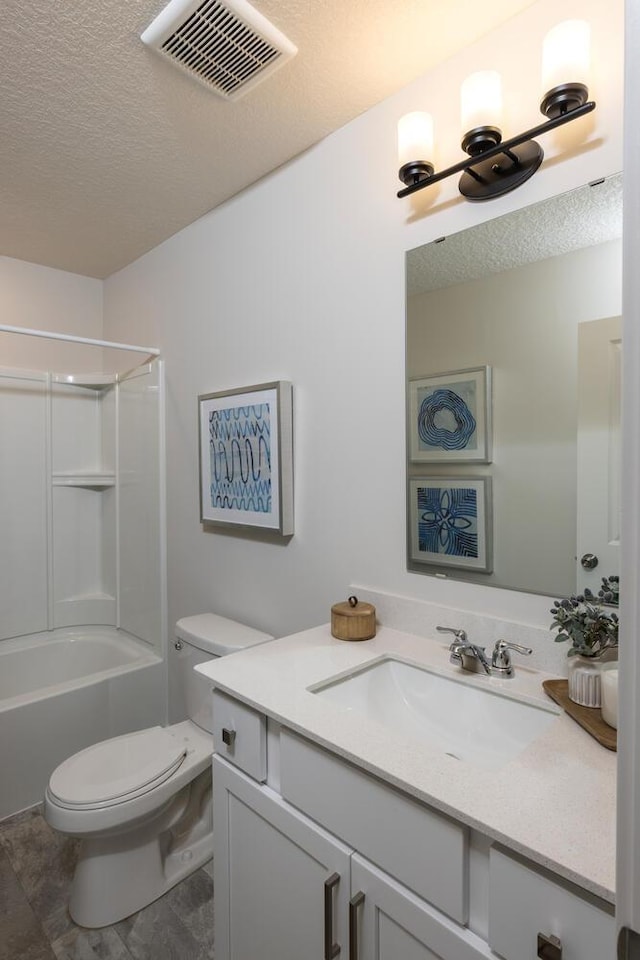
[450, 417]
[450, 522]
[246, 457]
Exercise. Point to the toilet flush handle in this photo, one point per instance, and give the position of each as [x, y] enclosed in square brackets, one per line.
[228, 736]
[177, 644]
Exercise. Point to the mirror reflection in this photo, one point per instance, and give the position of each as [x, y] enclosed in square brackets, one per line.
[513, 397]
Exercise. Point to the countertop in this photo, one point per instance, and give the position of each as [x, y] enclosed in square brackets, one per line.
[554, 803]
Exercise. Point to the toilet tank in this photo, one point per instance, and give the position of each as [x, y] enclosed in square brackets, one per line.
[201, 638]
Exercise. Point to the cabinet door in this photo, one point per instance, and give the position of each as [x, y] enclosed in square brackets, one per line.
[281, 884]
[525, 902]
[391, 923]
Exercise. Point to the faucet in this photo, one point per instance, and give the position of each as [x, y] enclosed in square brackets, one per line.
[473, 658]
[501, 665]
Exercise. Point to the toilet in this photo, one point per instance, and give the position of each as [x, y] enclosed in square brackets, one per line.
[141, 803]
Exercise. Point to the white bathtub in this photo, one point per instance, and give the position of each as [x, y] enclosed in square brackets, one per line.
[64, 690]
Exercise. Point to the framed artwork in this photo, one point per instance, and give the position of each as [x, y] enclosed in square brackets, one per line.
[246, 457]
[450, 522]
[450, 417]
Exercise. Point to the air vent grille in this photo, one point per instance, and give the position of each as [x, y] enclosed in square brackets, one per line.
[228, 46]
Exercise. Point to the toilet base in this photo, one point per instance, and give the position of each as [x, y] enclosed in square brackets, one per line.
[117, 875]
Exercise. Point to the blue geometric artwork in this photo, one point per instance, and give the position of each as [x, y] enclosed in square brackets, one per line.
[240, 452]
[448, 521]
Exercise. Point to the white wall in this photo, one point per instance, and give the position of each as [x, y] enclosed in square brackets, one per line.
[302, 277]
[45, 299]
[524, 323]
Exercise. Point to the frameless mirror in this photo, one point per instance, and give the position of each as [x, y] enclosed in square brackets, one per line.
[513, 397]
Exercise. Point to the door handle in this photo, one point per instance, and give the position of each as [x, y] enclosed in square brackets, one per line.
[356, 901]
[589, 561]
[331, 949]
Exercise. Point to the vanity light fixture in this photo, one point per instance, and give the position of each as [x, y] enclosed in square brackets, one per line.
[493, 167]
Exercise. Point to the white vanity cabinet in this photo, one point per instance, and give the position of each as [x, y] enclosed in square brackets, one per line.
[326, 861]
[279, 880]
[285, 889]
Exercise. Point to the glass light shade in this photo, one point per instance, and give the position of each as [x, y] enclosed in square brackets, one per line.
[566, 54]
[415, 138]
[481, 100]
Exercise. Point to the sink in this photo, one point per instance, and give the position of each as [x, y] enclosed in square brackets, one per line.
[467, 721]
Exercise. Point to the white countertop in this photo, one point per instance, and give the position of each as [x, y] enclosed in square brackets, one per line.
[554, 803]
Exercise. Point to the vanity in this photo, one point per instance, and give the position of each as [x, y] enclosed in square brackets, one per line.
[372, 800]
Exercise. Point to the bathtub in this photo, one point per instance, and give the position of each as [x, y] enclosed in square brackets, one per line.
[63, 690]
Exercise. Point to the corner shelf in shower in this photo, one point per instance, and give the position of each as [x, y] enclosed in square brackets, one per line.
[91, 381]
[92, 481]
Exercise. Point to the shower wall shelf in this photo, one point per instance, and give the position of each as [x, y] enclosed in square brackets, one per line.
[92, 481]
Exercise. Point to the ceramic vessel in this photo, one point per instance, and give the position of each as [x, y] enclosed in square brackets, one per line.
[609, 694]
[584, 681]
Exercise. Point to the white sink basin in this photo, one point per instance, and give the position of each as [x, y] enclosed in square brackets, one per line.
[474, 724]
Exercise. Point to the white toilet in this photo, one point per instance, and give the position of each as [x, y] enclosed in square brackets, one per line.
[141, 803]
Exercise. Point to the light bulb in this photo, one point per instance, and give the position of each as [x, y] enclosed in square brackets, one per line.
[481, 100]
[566, 54]
[415, 138]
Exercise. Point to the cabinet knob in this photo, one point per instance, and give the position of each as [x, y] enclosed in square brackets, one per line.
[228, 736]
[549, 947]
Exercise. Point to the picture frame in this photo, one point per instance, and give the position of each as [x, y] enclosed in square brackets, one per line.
[246, 458]
[450, 417]
[450, 522]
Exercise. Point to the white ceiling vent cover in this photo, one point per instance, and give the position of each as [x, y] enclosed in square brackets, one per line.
[228, 46]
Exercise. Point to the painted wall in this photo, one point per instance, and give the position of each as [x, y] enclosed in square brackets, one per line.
[45, 299]
[524, 323]
[302, 277]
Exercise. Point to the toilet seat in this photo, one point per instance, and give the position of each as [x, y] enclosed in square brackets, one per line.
[117, 770]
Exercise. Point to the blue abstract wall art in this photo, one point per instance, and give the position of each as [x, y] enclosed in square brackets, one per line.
[450, 417]
[445, 420]
[240, 454]
[246, 457]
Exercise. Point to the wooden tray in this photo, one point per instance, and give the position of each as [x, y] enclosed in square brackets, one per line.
[588, 717]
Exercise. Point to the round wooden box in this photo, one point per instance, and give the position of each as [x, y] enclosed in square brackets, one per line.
[352, 620]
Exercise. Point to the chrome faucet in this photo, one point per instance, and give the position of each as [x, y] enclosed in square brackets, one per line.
[474, 659]
[501, 664]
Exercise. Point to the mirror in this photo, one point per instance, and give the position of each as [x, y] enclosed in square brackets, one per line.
[513, 407]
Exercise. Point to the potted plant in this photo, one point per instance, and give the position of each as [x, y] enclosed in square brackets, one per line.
[590, 624]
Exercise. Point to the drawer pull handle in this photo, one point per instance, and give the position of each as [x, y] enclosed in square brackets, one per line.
[228, 736]
[331, 949]
[549, 948]
[354, 903]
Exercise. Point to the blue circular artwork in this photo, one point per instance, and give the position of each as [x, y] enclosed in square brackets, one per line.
[435, 436]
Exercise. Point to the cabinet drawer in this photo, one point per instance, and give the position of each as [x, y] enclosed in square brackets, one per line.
[525, 902]
[240, 735]
[424, 850]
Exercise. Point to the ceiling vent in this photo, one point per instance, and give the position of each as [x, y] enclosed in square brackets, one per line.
[228, 46]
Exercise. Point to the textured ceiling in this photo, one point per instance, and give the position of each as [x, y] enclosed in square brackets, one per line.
[579, 218]
[106, 150]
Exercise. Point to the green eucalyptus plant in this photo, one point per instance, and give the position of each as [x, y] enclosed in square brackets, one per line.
[585, 621]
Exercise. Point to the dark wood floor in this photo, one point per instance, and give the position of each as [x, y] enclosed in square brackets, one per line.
[36, 866]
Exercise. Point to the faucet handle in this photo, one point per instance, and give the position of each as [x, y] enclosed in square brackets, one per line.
[501, 657]
[459, 635]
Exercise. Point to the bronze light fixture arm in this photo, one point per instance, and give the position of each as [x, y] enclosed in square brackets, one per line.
[501, 148]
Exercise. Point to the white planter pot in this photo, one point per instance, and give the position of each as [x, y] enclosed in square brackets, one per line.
[584, 681]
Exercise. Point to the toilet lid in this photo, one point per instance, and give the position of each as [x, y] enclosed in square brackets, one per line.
[117, 769]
